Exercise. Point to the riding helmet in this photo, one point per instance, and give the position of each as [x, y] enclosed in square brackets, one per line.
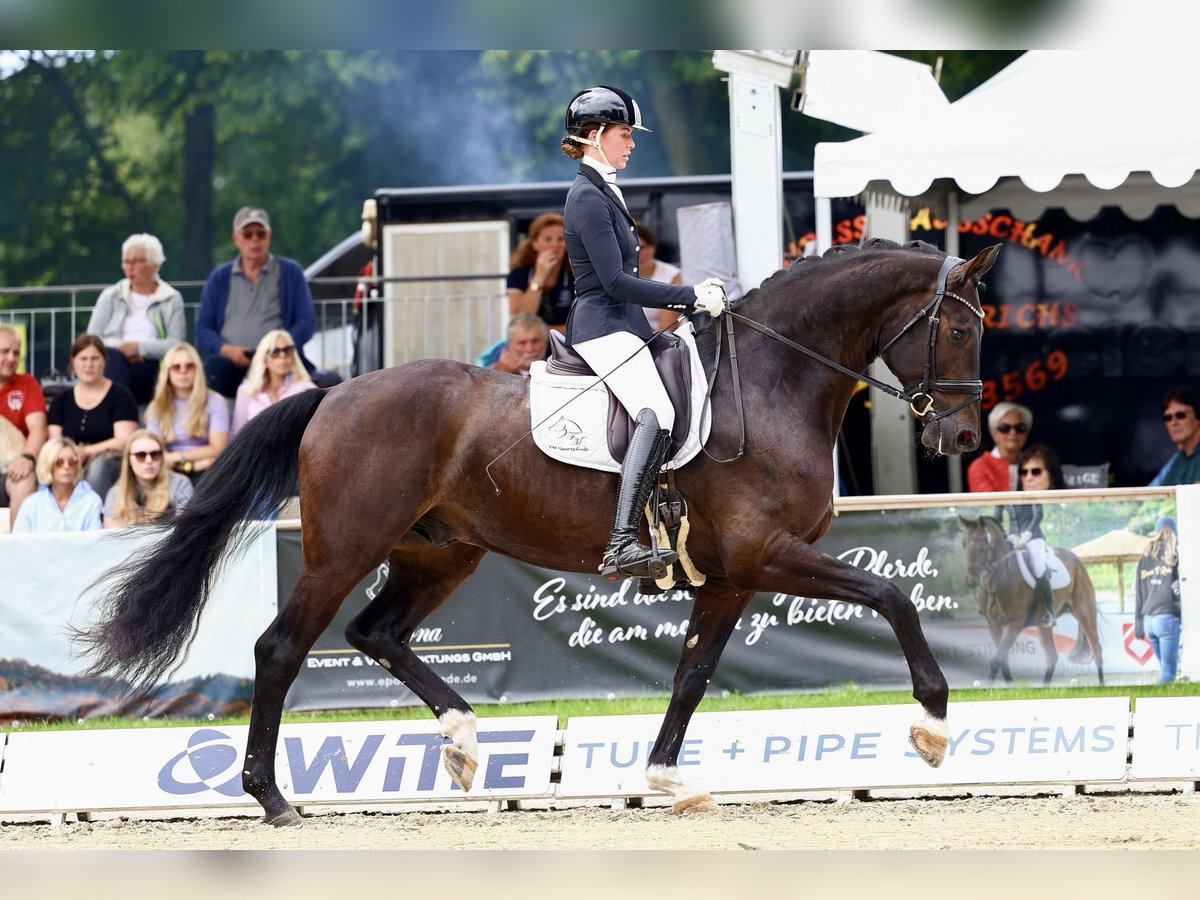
[603, 104]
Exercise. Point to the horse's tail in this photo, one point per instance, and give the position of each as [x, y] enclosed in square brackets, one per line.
[152, 602]
[1083, 651]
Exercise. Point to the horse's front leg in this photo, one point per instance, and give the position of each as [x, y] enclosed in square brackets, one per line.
[802, 568]
[715, 612]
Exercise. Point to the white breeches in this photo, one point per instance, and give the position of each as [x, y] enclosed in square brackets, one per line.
[1036, 548]
[636, 383]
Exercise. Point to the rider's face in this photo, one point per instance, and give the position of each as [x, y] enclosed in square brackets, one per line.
[617, 144]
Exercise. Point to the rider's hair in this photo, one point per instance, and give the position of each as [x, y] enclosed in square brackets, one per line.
[572, 148]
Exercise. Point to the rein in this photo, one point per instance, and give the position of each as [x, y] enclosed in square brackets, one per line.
[911, 393]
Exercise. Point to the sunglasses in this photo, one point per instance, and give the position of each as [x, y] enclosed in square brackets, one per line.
[254, 233]
[146, 455]
[282, 351]
[1005, 428]
[1034, 471]
[183, 367]
[66, 463]
[1179, 415]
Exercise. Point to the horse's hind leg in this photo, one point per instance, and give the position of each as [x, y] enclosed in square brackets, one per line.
[1046, 636]
[420, 578]
[714, 614]
[278, 655]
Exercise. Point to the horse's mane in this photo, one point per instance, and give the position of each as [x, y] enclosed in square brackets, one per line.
[837, 255]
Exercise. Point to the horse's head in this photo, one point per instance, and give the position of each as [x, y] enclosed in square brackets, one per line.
[934, 351]
[983, 545]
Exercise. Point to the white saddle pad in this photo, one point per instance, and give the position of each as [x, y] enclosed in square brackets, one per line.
[575, 413]
[1059, 576]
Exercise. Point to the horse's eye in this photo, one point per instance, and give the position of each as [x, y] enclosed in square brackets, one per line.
[957, 335]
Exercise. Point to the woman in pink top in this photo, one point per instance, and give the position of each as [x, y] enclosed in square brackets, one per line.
[276, 372]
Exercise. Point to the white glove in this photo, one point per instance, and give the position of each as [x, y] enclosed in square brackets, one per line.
[1026, 537]
[710, 296]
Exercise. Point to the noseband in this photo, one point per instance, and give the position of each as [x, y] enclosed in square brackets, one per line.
[918, 391]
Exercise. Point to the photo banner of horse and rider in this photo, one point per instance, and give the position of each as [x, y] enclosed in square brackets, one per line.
[515, 632]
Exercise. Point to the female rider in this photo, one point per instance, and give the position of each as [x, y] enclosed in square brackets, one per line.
[607, 325]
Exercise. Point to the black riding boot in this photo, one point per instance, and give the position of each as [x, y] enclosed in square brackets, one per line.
[625, 557]
[1043, 592]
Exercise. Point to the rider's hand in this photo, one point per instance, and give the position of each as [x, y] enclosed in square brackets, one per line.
[710, 296]
[1026, 537]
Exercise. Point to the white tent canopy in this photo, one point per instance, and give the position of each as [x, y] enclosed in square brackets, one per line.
[1072, 129]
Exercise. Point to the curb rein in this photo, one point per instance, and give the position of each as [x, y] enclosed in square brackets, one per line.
[910, 394]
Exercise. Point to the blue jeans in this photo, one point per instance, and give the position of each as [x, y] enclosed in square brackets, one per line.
[1162, 632]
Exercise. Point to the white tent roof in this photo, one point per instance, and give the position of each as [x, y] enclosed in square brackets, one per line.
[1066, 121]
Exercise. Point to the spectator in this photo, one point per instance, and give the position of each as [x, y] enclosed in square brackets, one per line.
[275, 373]
[97, 414]
[1009, 424]
[1039, 470]
[244, 299]
[147, 487]
[540, 280]
[1156, 609]
[650, 266]
[63, 502]
[527, 341]
[192, 420]
[138, 318]
[1179, 415]
[23, 412]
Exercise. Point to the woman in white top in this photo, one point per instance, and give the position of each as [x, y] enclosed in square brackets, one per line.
[138, 318]
[192, 420]
[275, 372]
[650, 266]
[63, 502]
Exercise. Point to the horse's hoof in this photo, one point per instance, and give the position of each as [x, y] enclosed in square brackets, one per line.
[289, 818]
[460, 766]
[928, 742]
[695, 806]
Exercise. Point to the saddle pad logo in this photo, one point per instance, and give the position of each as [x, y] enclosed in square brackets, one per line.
[567, 436]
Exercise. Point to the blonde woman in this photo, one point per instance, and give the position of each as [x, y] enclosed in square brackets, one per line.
[1157, 610]
[63, 502]
[192, 420]
[276, 372]
[146, 487]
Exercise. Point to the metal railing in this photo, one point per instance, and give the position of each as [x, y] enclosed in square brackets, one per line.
[354, 334]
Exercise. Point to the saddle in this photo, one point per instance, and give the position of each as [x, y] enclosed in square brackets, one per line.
[672, 358]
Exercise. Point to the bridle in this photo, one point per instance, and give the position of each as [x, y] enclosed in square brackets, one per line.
[917, 391]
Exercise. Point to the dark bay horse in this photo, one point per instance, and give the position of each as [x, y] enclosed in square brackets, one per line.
[391, 465]
[1007, 601]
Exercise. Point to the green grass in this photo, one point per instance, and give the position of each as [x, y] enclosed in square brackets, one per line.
[656, 704]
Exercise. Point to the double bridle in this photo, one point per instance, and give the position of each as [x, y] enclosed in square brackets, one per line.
[920, 390]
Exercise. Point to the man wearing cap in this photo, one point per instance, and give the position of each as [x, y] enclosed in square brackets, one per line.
[244, 299]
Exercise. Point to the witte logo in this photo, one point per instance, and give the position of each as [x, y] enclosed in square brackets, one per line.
[205, 765]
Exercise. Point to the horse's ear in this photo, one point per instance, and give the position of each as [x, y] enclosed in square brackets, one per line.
[967, 523]
[973, 268]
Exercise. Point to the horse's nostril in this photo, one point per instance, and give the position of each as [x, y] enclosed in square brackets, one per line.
[966, 440]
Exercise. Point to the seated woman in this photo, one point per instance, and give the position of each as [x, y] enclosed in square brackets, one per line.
[146, 488]
[63, 502]
[192, 420]
[139, 317]
[97, 414]
[275, 372]
[540, 280]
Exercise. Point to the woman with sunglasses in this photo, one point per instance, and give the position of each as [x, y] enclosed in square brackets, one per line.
[192, 420]
[63, 502]
[146, 488]
[276, 372]
[1039, 470]
[1009, 424]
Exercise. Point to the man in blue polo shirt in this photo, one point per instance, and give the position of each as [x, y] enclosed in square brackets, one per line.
[1179, 416]
[244, 299]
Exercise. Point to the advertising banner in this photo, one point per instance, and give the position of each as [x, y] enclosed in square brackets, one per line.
[1005, 742]
[47, 589]
[1166, 738]
[514, 632]
[363, 762]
